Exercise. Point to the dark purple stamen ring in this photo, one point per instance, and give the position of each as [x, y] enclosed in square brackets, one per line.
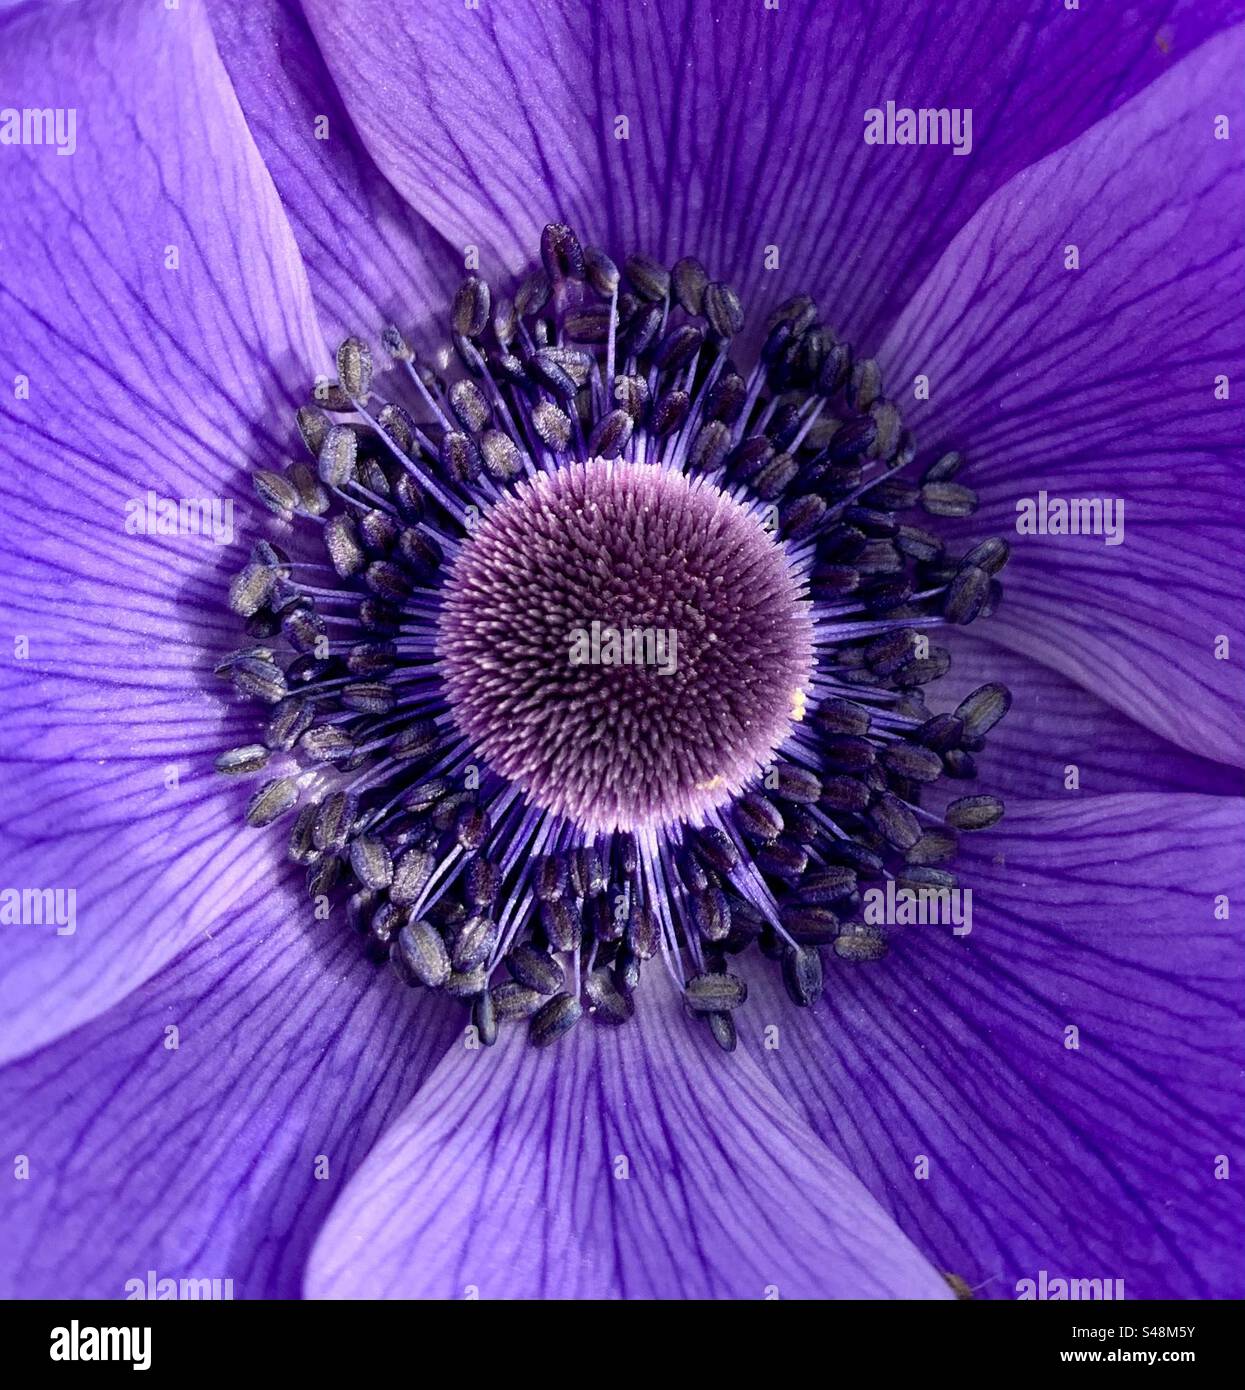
[513, 814]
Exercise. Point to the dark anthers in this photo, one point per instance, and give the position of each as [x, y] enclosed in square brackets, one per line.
[491, 889]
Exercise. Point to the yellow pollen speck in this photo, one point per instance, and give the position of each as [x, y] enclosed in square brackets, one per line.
[798, 701]
[712, 784]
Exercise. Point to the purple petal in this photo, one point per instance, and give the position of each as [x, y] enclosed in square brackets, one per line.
[1097, 1162]
[142, 378]
[1054, 722]
[1100, 383]
[746, 124]
[370, 257]
[220, 1156]
[637, 1163]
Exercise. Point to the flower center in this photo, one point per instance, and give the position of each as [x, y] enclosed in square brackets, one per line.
[535, 688]
[625, 644]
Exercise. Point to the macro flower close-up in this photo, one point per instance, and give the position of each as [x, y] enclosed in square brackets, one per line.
[622, 628]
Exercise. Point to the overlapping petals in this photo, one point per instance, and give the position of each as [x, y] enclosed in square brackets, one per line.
[1092, 1153]
[155, 302]
[1106, 381]
[1060, 738]
[640, 1164]
[203, 1127]
[745, 124]
[212, 1085]
[371, 257]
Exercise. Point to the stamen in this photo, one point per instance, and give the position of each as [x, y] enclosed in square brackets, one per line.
[515, 819]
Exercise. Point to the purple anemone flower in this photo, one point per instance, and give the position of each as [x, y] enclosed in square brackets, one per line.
[586, 484]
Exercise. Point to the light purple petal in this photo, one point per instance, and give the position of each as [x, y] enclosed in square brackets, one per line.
[370, 257]
[1054, 723]
[636, 1163]
[746, 124]
[1097, 914]
[203, 1127]
[141, 378]
[1101, 382]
